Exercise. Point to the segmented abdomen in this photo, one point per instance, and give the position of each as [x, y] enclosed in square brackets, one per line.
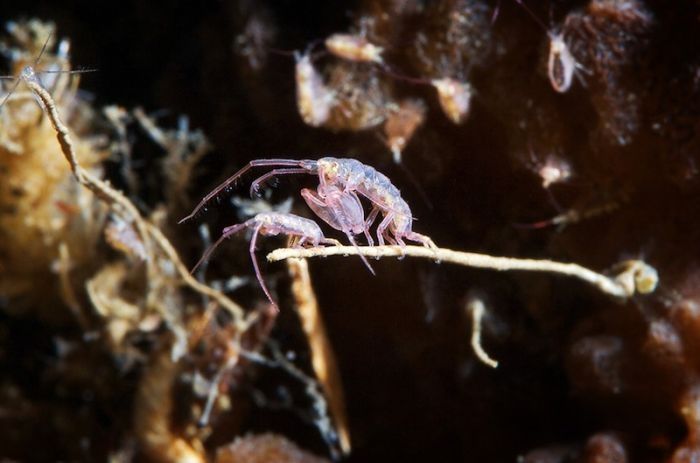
[290, 224]
[378, 188]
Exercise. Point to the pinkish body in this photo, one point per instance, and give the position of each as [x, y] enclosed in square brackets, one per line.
[350, 176]
[342, 211]
[272, 223]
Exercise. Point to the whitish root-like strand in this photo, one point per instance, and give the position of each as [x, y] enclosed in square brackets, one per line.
[476, 309]
[607, 285]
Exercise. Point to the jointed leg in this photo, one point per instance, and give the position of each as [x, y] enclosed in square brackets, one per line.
[424, 240]
[372, 217]
[335, 219]
[321, 208]
[331, 242]
[364, 259]
[383, 226]
[256, 267]
[255, 186]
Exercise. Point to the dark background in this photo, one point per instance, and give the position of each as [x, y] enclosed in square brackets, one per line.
[414, 390]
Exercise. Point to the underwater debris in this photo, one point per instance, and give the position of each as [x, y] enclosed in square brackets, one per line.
[455, 98]
[41, 210]
[609, 37]
[314, 98]
[354, 48]
[265, 448]
[401, 123]
[604, 380]
[322, 355]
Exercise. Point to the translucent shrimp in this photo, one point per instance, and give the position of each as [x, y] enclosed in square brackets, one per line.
[342, 211]
[272, 223]
[349, 176]
[561, 64]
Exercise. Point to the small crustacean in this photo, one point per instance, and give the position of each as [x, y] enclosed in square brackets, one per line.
[314, 98]
[272, 223]
[342, 211]
[354, 48]
[561, 64]
[350, 176]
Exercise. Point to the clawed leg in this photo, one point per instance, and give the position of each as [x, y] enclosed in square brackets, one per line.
[331, 242]
[400, 243]
[424, 240]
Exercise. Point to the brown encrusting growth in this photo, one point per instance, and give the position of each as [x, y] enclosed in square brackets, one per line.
[557, 144]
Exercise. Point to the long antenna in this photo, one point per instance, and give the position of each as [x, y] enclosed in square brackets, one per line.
[533, 15]
[18, 79]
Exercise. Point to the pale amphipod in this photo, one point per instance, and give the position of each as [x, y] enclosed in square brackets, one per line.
[354, 48]
[314, 99]
[561, 64]
[455, 98]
